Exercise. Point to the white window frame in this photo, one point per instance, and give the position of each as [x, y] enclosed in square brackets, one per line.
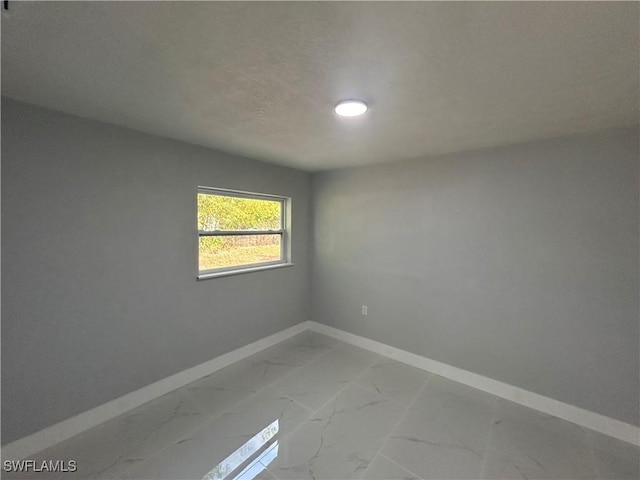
[284, 231]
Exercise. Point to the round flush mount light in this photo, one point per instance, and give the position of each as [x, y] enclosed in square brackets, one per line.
[351, 108]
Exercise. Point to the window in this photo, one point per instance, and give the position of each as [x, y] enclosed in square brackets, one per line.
[239, 231]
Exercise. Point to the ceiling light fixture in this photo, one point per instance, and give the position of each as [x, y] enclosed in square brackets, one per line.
[351, 108]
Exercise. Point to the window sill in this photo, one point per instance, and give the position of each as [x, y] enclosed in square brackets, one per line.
[206, 276]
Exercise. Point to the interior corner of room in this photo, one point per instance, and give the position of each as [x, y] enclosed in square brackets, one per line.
[510, 264]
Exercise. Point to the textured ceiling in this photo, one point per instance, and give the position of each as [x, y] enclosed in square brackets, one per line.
[261, 79]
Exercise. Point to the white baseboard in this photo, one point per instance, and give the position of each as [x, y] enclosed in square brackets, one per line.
[70, 427]
[594, 421]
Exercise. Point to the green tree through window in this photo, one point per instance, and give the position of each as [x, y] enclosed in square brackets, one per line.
[226, 224]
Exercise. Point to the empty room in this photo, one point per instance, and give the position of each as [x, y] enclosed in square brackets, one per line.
[320, 240]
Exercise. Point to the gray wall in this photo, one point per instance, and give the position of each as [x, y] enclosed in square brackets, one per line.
[99, 259]
[519, 263]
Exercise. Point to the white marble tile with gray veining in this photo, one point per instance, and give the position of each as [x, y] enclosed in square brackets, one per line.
[526, 443]
[293, 354]
[203, 450]
[252, 474]
[112, 448]
[312, 342]
[314, 384]
[394, 380]
[341, 440]
[316, 408]
[382, 468]
[614, 458]
[222, 389]
[444, 433]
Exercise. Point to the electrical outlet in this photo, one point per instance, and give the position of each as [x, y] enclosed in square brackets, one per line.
[364, 309]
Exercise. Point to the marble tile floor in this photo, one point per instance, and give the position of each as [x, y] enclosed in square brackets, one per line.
[316, 408]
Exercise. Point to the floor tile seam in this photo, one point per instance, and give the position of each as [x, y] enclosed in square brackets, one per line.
[196, 429]
[315, 412]
[307, 419]
[296, 370]
[347, 346]
[184, 391]
[589, 440]
[159, 451]
[271, 384]
[398, 464]
[360, 374]
[429, 375]
[302, 405]
[358, 377]
[270, 472]
[349, 382]
[279, 390]
[400, 419]
[252, 394]
[489, 437]
[158, 427]
[383, 395]
[300, 367]
[418, 392]
[211, 418]
[592, 454]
